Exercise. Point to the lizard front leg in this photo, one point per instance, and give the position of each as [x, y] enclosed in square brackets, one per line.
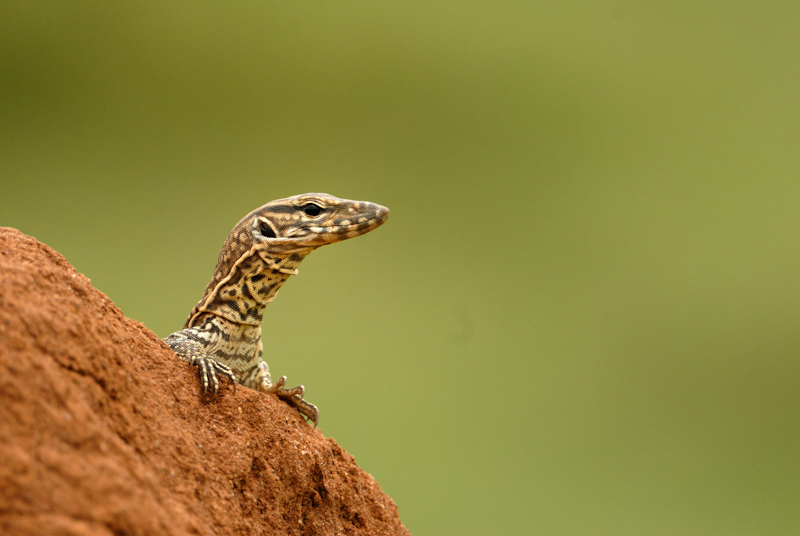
[192, 345]
[262, 381]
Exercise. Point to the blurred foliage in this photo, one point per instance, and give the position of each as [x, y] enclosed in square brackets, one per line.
[581, 317]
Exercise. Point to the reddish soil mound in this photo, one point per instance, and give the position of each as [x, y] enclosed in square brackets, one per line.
[102, 430]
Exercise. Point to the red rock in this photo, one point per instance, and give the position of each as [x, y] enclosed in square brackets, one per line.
[103, 431]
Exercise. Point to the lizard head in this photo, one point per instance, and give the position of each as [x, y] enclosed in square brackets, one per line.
[302, 223]
[283, 232]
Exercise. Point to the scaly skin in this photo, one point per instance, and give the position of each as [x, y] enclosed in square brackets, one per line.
[223, 333]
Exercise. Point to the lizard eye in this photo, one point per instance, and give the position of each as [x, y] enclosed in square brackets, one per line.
[310, 209]
[266, 230]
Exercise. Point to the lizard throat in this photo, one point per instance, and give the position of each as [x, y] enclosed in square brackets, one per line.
[282, 265]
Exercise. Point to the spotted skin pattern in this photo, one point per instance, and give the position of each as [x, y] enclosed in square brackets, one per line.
[222, 336]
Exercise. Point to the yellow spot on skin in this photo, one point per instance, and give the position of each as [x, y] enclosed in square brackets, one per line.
[345, 222]
[362, 219]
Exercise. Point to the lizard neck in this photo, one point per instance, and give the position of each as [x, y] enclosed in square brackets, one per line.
[242, 296]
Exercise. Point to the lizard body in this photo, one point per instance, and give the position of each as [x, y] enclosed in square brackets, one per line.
[223, 333]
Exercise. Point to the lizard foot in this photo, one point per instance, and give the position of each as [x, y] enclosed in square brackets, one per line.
[308, 410]
[294, 396]
[282, 392]
[209, 369]
[191, 352]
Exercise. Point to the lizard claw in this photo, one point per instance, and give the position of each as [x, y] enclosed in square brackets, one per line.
[209, 369]
[278, 389]
[308, 410]
[294, 396]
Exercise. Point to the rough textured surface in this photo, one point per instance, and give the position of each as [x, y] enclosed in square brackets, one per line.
[102, 431]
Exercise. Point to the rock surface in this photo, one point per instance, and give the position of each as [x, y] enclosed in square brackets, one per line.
[103, 432]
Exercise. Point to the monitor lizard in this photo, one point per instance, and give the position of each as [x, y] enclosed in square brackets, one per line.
[223, 333]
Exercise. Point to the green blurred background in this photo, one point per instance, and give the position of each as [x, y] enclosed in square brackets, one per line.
[582, 315]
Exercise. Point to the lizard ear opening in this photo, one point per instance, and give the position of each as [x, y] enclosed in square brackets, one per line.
[266, 229]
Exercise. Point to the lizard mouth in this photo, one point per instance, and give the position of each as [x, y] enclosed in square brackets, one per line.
[342, 231]
[313, 236]
[355, 229]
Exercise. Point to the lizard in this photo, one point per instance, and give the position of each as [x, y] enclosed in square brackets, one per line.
[222, 335]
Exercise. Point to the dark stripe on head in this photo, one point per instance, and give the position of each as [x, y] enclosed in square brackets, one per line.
[279, 209]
